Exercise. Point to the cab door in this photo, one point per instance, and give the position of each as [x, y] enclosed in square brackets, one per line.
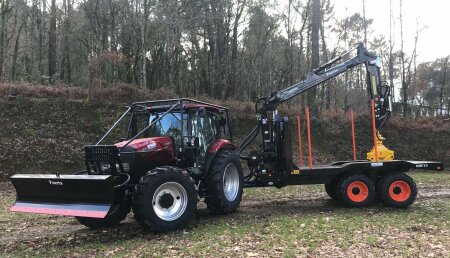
[204, 127]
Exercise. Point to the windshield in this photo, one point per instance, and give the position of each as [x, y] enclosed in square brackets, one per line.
[169, 125]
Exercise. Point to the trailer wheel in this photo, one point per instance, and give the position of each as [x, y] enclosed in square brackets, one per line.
[397, 190]
[165, 199]
[225, 183]
[116, 215]
[331, 190]
[356, 191]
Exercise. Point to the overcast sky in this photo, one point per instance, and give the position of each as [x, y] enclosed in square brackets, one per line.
[433, 16]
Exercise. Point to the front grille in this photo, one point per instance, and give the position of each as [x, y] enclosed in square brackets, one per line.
[97, 156]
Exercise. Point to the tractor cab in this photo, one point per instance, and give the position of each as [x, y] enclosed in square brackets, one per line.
[168, 132]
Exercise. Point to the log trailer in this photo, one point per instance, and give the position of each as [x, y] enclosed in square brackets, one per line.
[175, 152]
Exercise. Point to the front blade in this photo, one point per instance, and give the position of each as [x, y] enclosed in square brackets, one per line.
[69, 195]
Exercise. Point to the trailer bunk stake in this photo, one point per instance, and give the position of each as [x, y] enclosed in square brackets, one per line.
[353, 134]
[374, 128]
[309, 137]
[299, 136]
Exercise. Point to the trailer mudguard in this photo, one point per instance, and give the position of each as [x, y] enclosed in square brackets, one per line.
[70, 195]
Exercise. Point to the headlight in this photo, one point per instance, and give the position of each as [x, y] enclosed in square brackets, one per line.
[150, 146]
[105, 167]
[126, 167]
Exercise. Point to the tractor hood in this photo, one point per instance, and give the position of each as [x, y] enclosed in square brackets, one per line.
[147, 144]
[144, 154]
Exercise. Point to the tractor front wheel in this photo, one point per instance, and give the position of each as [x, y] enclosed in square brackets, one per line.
[225, 183]
[165, 199]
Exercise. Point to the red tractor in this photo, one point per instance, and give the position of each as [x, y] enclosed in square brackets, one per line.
[157, 169]
[175, 152]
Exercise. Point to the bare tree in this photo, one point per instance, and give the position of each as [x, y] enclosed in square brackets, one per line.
[240, 5]
[391, 48]
[444, 81]
[143, 31]
[4, 16]
[406, 63]
[52, 43]
[315, 48]
[365, 23]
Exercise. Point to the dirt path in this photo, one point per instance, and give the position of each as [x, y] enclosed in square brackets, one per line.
[39, 229]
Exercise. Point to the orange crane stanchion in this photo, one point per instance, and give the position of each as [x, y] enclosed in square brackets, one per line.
[353, 134]
[299, 137]
[374, 128]
[309, 137]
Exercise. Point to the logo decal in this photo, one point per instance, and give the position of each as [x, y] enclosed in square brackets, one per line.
[376, 164]
[55, 182]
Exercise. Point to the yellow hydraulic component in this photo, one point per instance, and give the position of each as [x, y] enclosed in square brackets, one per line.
[383, 152]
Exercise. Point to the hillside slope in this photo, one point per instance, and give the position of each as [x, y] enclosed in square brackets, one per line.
[48, 134]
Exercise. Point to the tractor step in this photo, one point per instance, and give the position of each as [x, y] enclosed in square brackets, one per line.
[70, 195]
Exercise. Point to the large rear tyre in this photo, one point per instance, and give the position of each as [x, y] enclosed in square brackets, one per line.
[225, 183]
[165, 199]
[356, 191]
[397, 190]
[116, 215]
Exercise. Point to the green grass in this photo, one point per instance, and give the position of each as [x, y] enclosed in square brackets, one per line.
[431, 177]
[289, 222]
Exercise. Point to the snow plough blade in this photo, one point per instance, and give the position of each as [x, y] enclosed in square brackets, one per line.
[69, 195]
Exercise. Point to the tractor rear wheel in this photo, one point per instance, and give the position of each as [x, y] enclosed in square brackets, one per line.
[397, 190]
[356, 191]
[225, 183]
[116, 215]
[165, 199]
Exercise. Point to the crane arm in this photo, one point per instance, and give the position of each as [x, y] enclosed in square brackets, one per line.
[276, 154]
[379, 93]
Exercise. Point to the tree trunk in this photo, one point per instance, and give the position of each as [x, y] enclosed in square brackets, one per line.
[219, 61]
[16, 49]
[52, 43]
[365, 23]
[326, 90]
[441, 93]
[5, 9]
[402, 58]
[40, 29]
[315, 58]
[391, 56]
[143, 74]
[66, 70]
[234, 52]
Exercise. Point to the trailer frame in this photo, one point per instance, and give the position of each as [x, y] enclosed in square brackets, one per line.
[324, 174]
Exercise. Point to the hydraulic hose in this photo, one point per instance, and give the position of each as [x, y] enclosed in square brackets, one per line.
[124, 182]
[249, 139]
[252, 135]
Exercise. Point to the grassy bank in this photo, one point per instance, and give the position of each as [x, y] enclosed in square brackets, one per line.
[288, 222]
[42, 135]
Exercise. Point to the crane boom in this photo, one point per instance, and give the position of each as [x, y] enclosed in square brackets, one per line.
[378, 92]
[275, 143]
